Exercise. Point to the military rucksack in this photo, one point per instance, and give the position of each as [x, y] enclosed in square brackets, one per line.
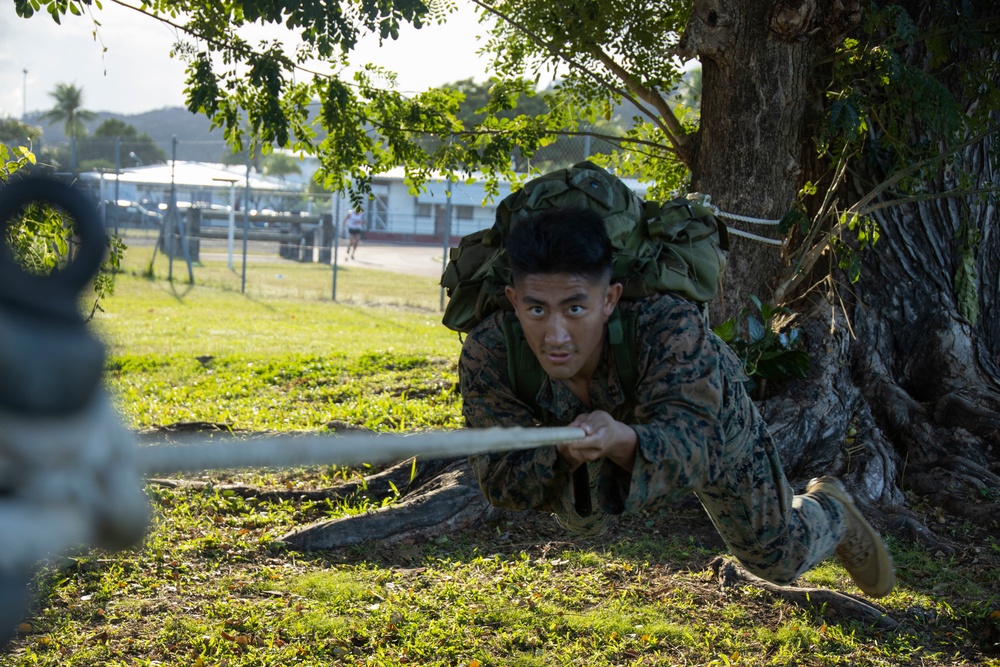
[679, 246]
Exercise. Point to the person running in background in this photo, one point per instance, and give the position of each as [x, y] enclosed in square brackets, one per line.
[355, 223]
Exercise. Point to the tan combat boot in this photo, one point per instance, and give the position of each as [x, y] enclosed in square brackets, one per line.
[862, 551]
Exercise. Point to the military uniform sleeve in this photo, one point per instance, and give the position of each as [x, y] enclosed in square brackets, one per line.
[529, 479]
[679, 408]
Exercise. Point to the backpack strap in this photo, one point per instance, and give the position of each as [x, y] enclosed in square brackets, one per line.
[621, 338]
[523, 370]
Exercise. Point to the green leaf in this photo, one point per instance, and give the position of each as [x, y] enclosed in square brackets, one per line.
[727, 330]
[755, 329]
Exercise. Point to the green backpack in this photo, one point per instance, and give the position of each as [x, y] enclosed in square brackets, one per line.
[679, 246]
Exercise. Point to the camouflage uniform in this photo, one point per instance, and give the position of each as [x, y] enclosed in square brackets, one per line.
[698, 431]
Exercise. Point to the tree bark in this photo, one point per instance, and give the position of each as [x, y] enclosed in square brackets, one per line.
[755, 69]
[930, 376]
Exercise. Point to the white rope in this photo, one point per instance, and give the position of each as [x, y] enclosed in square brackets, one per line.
[68, 480]
[754, 237]
[706, 200]
[747, 218]
[78, 479]
[203, 453]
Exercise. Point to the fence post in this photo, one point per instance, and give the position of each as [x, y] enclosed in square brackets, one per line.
[246, 223]
[118, 173]
[335, 200]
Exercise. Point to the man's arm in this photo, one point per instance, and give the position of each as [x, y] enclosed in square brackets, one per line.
[680, 438]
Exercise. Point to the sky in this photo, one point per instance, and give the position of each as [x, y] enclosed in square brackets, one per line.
[137, 74]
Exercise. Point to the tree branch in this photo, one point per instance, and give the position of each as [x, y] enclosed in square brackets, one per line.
[610, 138]
[862, 203]
[655, 118]
[671, 126]
[926, 197]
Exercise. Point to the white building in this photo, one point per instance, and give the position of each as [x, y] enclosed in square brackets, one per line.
[392, 212]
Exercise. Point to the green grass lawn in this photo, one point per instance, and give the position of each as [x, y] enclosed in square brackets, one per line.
[212, 585]
[285, 362]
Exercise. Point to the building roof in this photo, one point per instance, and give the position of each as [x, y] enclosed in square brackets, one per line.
[192, 175]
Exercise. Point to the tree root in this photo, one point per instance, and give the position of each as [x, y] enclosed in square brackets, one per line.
[397, 479]
[840, 605]
[908, 525]
[448, 502]
[959, 410]
[959, 486]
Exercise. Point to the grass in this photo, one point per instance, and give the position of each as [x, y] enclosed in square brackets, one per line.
[212, 584]
[271, 278]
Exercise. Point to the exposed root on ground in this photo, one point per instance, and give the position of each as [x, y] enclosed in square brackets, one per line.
[398, 479]
[448, 501]
[828, 602]
[906, 524]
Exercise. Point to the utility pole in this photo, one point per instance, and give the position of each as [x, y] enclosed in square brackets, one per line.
[24, 114]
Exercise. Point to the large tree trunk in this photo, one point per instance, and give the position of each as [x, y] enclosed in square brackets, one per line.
[756, 60]
[905, 392]
[931, 377]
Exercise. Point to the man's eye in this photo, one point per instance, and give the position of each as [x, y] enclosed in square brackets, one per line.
[576, 310]
[537, 311]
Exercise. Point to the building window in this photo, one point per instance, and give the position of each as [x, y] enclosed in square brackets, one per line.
[423, 210]
[463, 213]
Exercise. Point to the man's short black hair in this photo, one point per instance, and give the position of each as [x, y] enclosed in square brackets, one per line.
[560, 240]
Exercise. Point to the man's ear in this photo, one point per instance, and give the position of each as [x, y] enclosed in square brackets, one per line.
[511, 295]
[611, 298]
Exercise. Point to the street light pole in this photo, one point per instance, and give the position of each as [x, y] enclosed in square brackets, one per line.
[24, 114]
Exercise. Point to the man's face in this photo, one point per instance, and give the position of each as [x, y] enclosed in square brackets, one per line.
[563, 317]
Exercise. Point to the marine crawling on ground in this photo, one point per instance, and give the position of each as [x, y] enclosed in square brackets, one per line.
[685, 425]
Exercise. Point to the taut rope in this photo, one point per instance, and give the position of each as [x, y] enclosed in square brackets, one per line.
[202, 453]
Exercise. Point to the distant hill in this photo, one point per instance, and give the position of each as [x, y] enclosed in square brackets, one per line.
[195, 141]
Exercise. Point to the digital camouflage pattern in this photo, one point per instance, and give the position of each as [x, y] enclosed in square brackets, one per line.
[698, 431]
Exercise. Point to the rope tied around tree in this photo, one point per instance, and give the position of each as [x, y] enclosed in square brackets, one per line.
[706, 200]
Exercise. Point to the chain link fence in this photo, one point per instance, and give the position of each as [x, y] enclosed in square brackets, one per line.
[265, 229]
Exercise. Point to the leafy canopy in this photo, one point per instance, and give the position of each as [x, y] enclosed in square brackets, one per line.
[262, 94]
[913, 83]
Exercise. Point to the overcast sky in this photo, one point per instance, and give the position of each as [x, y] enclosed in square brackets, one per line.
[137, 74]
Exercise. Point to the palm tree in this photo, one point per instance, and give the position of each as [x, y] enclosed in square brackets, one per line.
[69, 99]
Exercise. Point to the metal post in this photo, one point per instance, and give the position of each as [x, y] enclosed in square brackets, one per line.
[24, 114]
[232, 223]
[102, 208]
[172, 214]
[446, 236]
[335, 199]
[182, 229]
[246, 223]
[118, 174]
